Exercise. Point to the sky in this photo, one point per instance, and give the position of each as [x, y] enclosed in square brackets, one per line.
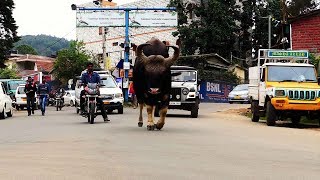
[53, 17]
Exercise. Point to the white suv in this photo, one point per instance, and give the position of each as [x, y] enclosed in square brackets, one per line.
[110, 93]
[5, 103]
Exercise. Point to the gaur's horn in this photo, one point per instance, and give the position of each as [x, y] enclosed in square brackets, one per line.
[169, 61]
[140, 54]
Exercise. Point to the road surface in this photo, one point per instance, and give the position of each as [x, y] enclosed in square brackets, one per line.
[217, 145]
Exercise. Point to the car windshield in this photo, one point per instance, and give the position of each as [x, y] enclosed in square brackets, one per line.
[14, 84]
[108, 83]
[291, 74]
[183, 76]
[21, 90]
[242, 87]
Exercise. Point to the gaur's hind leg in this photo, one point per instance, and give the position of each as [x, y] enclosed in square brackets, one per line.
[140, 123]
[163, 114]
[150, 126]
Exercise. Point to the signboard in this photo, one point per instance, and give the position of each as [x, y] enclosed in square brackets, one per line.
[100, 18]
[215, 92]
[283, 54]
[153, 19]
[117, 19]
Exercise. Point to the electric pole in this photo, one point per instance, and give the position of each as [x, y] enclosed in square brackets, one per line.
[103, 42]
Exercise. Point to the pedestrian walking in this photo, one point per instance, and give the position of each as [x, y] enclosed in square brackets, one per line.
[30, 90]
[43, 92]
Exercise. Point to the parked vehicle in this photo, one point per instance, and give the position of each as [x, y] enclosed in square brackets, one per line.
[283, 85]
[69, 98]
[11, 85]
[21, 98]
[239, 94]
[6, 109]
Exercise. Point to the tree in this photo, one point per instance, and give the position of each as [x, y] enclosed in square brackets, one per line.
[7, 73]
[8, 28]
[71, 61]
[211, 31]
[296, 7]
[26, 49]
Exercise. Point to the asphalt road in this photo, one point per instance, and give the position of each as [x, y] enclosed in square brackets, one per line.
[217, 145]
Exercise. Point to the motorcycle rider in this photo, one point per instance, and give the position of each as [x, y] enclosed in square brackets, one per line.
[60, 93]
[30, 90]
[43, 91]
[91, 77]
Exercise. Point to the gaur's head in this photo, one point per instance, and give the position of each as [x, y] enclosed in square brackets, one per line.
[157, 67]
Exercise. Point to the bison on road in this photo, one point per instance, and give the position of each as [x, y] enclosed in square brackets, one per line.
[152, 79]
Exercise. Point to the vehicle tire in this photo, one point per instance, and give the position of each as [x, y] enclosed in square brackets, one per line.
[295, 119]
[71, 103]
[255, 111]
[271, 114]
[92, 113]
[230, 102]
[156, 111]
[109, 111]
[57, 107]
[17, 108]
[195, 110]
[2, 115]
[9, 114]
[120, 110]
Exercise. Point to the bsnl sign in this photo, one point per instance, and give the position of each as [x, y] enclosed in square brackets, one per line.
[284, 54]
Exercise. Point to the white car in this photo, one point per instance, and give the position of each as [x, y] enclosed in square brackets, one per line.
[110, 93]
[239, 94]
[6, 109]
[21, 98]
[69, 98]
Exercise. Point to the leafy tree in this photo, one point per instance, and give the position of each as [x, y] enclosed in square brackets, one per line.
[211, 31]
[26, 49]
[71, 61]
[7, 73]
[8, 28]
[296, 7]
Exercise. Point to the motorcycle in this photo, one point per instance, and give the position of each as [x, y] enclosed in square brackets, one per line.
[58, 102]
[92, 93]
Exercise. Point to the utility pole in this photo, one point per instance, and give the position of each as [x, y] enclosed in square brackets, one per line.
[269, 31]
[103, 42]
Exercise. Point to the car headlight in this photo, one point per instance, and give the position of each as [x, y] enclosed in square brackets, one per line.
[178, 96]
[279, 93]
[119, 95]
[185, 91]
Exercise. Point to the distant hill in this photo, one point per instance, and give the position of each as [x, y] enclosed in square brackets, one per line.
[44, 45]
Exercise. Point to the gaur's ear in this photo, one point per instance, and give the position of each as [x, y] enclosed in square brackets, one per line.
[140, 54]
[169, 61]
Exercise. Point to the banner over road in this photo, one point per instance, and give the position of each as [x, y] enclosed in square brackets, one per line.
[117, 19]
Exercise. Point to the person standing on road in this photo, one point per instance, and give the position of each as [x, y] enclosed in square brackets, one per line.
[133, 96]
[43, 91]
[30, 90]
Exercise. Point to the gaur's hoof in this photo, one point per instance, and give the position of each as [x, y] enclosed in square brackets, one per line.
[159, 125]
[140, 124]
[150, 127]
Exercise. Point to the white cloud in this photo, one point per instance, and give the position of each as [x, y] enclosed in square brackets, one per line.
[54, 18]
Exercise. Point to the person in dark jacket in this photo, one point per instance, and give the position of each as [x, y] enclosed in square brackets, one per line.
[30, 90]
[43, 92]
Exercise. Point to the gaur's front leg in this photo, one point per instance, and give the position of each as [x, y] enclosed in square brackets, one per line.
[140, 123]
[163, 113]
[150, 109]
